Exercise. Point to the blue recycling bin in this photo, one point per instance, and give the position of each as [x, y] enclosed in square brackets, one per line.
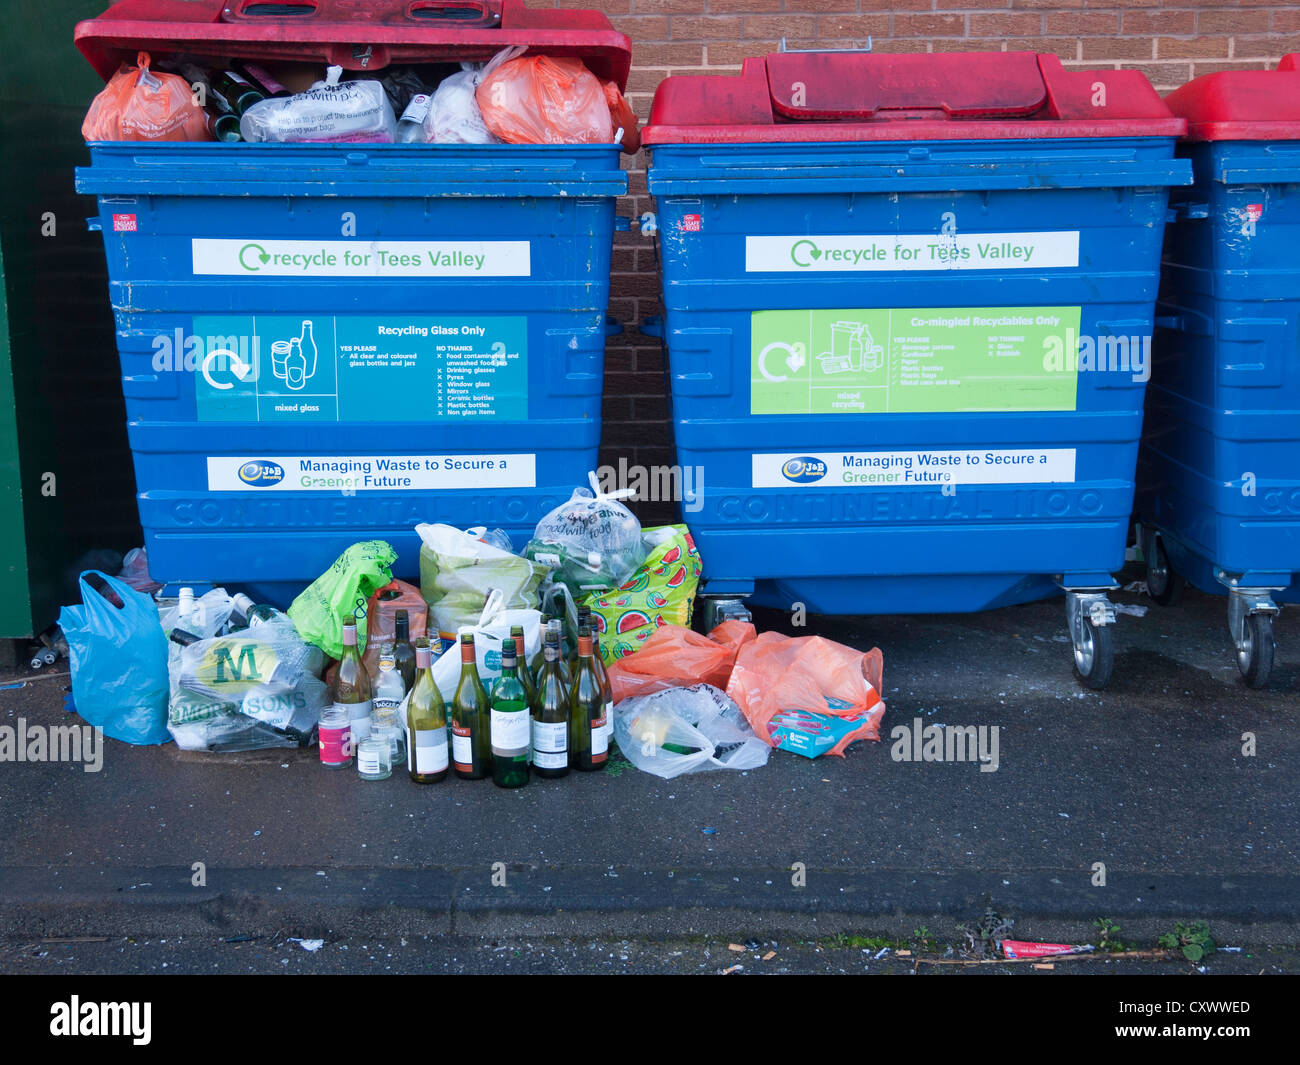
[908, 304]
[332, 342]
[1219, 492]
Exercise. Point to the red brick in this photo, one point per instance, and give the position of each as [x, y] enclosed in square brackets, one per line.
[611, 7]
[710, 28]
[810, 7]
[929, 26]
[1286, 21]
[961, 5]
[643, 28]
[663, 7]
[896, 45]
[1233, 23]
[1265, 47]
[1057, 5]
[1193, 47]
[1065, 47]
[787, 26]
[732, 54]
[831, 27]
[1006, 24]
[1082, 24]
[1131, 48]
[1164, 76]
[723, 7]
[672, 54]
[1149, 23]
[1212, 67]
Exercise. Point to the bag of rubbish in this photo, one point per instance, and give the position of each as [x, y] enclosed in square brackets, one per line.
[139, 104]
[204, 618]
[342, 591]
[490, 630]
[660, 592]
[118, 657]
[686, 730]
[381, 619]
[675, 657]
[256, 688]
[808, 694]
[591, 543]
[459, 571]
[454, 116]
[537, 99]
[329, 111]
[135, 571]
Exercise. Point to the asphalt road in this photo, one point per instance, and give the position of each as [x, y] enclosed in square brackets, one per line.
[1147, 778]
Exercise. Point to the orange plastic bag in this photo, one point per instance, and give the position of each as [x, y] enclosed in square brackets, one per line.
[139, 105]
[539, 100]
[808, 694]
[623, 117]
[677, 657]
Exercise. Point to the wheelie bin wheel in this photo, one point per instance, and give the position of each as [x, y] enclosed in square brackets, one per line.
[1094, 655]
[1164, 585]
[1255, 652]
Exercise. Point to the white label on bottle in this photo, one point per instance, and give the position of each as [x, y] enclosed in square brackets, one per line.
[382, 703]
[358, 717]
[430, 750]
[599, 737]
[416, 109]
[609, 723]
[551, 744]
[462, 749]
[509, 731]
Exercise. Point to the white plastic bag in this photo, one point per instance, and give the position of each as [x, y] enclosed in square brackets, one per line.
[454, 117]
[686, 730]
[458, 572]
[329, 111]
[491, 630]
[590, 543]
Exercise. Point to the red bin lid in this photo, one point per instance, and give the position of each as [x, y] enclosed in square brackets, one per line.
[858, 96]
[353, 34]
[1242, 105]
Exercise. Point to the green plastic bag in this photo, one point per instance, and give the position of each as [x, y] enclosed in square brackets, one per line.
[343, 591]
[661, 592]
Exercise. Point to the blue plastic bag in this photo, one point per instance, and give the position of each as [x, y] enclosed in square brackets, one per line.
[118, 656]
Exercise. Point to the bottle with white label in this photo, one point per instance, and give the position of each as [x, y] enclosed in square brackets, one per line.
[351, 689]
[511, 723]
[551, 715]
[426, 723]
[410, 129]
[606, 686]
[588, 744]
[471, 739]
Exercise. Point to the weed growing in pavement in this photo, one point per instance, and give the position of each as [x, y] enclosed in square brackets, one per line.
[1193, 940]
[1108, 940]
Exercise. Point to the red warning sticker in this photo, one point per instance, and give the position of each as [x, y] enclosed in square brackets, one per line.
[124, 223]
[1254, 211]
[691, 223]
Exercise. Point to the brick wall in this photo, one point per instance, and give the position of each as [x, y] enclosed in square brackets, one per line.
[1168, 40]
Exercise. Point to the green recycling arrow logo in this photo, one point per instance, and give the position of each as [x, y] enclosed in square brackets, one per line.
[812, 253]
[263, 257]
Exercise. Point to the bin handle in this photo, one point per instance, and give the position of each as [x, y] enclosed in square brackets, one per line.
[613, 327]
[652, 326]
[1170, 321]
[621, 224]
[1188, 209]
[94, 225]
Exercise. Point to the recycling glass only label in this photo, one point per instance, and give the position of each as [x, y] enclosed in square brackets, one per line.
[361, 258]
[911, 251]
[358, 368]
[912, 360]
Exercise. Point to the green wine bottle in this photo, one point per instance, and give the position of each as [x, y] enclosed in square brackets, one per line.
[426, 723]
[403, 652]
[510, 723]
[471, 736]
[588, 745]
[525, 674]
[556, 626]
[551, 716]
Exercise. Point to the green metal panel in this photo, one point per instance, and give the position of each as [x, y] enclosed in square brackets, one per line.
[61, 409]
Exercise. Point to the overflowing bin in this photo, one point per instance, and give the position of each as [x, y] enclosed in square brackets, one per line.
[331, 342]
[1219, 492]
[908, 303]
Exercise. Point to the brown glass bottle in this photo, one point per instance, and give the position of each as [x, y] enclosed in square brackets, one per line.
[588, 744]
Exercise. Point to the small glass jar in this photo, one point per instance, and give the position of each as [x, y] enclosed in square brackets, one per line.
[384, 721]
[335, 738]
[374, 758]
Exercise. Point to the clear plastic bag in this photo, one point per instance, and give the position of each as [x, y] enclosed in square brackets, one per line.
[591, 543]
[686, 730]
[135, 572]
[256, 688]
[330, 111]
